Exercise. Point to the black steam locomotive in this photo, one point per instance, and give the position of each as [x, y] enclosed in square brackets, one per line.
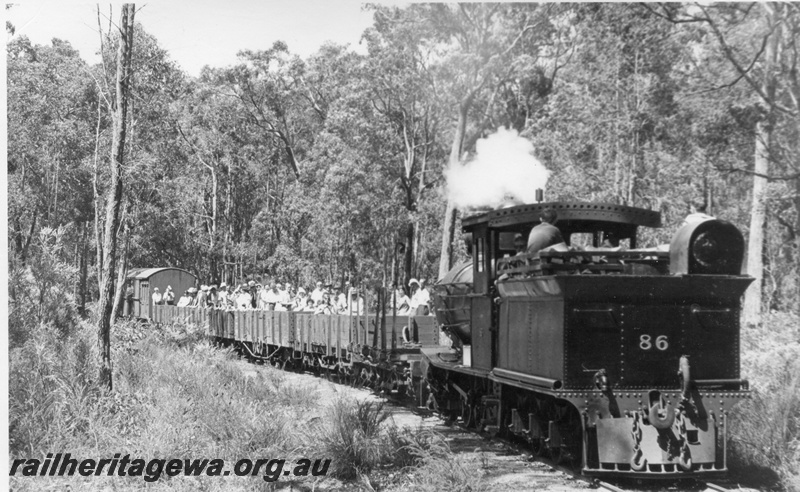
[619, 360]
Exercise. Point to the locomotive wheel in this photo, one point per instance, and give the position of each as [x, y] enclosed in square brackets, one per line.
[538, 446]
[467, 415]
[565, 455]
[558, 455]
[411, 393]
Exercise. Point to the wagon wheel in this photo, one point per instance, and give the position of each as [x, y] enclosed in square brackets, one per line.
[448, 416]
[410, 390]
[393, 383]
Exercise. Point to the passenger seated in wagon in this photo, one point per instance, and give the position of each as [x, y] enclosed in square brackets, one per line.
[187, 298]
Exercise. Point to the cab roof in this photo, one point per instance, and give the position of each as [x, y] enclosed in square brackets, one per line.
[572, 217]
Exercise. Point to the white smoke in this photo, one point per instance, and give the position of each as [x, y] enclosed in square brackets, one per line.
[502, 170]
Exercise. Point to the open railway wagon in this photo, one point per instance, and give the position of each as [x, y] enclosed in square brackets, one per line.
[619, 361]
[380, 352]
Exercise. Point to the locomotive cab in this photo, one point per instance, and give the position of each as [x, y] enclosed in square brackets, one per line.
[583, 345]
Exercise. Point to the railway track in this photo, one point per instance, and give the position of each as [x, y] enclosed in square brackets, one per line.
[520, 449]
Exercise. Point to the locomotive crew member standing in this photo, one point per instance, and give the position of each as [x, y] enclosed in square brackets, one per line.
[423, 300]
[418, 305]
[545, 234]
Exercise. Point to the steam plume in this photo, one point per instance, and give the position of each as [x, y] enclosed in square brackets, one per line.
[503, 170]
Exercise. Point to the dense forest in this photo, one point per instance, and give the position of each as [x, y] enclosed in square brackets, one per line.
[333, 166]
[359, 164]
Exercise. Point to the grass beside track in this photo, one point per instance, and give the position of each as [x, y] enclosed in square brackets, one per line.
[177, 396]
[765, 430]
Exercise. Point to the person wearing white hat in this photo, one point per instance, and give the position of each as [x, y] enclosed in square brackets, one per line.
[419, 298]
[186, 298]
[316, 294]
[169, 296]
[202, 296]
[355, 305]
[244, 300]
[284, 298]
[301, 300]
[423, 300]
[157, 298]
[413, 287]
[222, 296]
[339, 301]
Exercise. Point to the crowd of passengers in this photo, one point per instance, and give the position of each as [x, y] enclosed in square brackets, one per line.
[276, 296]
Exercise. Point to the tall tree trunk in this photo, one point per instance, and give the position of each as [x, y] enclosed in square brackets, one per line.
[23, 257]
[84, 269]
[228, 237]
[449, 222]
[755, 244]
[797, 244]
[114, 193]
[409, 254]
[121, 274]
[98, 232]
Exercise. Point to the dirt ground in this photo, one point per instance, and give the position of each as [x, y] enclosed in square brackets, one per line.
[504, 469]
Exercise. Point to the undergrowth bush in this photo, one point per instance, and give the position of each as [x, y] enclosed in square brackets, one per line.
[175, 396]
[765, 430]
[352, 433]
[430, 465]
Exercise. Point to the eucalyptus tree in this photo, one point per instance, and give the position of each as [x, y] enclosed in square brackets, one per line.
[759, 42]
[51, 103]
[403, 93]
[124, 77]
[480, 47]
[613, 128]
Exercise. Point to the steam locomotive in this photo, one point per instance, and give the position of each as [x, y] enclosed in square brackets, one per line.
[618, 361]
[615, 361]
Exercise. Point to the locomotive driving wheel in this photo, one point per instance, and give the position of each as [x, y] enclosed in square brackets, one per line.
[566, 429]
[467, 414]
[536, 439]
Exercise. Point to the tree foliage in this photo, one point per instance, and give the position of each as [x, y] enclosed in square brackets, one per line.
[331, 166]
